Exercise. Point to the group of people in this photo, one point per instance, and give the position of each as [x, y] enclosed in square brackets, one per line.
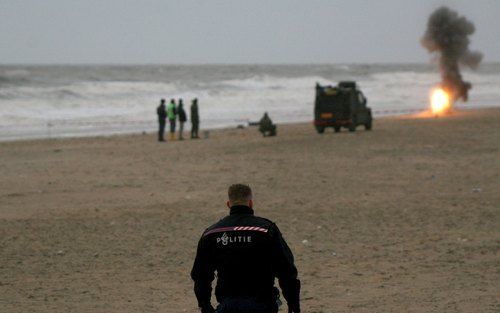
[172, 112]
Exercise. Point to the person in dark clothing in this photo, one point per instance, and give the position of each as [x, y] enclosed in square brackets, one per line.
[182, 118]
[248, 253]
[266, 126]
[162, 119]
[195, 119]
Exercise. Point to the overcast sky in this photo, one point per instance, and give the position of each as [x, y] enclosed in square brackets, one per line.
[231, 31]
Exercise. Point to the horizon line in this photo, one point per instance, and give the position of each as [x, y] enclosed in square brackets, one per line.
[219, 63]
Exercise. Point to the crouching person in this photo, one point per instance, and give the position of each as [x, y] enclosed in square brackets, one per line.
[248, 253]
[266, 126]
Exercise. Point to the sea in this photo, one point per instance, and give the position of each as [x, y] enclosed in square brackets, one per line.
[52, 101]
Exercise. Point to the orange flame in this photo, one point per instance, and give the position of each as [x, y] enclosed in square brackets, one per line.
[440, 101]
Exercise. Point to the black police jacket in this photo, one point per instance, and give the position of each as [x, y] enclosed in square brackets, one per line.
[247, 252]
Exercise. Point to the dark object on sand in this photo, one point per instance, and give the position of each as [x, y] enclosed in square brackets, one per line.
[340, 106]
[266, 126]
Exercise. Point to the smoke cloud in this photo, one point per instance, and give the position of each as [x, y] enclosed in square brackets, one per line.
[448, 34]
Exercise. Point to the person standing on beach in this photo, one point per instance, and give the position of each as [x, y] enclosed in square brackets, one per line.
[248, 253]
[195, 119]
[182, 118]
[172, 114]
[162, 119]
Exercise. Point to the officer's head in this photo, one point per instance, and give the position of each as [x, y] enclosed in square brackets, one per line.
[162, 101]
[239, 194]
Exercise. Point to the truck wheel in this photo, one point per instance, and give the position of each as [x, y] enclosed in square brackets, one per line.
[336, 129]
[320, 129]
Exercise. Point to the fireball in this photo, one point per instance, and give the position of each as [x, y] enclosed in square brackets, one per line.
[440, 101]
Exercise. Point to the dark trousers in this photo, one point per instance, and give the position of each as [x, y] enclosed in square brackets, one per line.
[161, 130]
[172, 126]
[244, 305]
[194, 130]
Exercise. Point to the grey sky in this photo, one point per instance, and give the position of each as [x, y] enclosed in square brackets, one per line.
[231, 31]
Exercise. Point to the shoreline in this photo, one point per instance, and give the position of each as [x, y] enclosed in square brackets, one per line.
[105, 134]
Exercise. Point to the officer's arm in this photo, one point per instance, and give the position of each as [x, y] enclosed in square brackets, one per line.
[203, 275]
[286, 272]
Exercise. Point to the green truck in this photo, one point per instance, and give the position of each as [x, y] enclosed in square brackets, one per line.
[340, 106]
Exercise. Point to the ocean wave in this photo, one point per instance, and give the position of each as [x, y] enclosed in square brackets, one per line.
[10, 80]
[88, 90]
[14, 76]
[272, 82]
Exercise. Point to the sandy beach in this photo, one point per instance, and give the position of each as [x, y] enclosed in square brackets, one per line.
[405, 218]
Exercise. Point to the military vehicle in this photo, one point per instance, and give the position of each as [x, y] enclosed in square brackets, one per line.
[340, 106]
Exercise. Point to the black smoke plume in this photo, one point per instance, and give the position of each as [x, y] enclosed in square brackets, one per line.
[448, 34]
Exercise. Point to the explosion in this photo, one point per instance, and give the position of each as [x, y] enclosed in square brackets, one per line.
[448, 34]
[440, 101]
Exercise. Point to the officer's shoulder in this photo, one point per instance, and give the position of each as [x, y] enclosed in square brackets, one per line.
[267, 223]
[213, 226]
[220, 223]
[264, 220]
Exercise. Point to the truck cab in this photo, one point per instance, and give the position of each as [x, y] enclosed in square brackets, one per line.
[340, 106]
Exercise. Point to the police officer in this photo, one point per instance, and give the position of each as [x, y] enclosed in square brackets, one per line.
[247, 252]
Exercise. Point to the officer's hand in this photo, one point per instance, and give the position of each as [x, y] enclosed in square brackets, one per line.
[207, 309]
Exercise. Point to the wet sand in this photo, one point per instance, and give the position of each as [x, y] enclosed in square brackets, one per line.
[405, 218]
